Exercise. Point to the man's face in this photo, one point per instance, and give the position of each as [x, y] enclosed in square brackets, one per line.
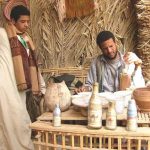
[109, 49]
[22, 23]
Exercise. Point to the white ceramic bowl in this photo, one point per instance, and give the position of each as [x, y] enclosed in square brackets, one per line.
[83, 98]
[103, 97]
[119, 103]
[85, 94]
[80, 100]
[124, 95]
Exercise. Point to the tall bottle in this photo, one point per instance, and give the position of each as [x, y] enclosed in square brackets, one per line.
[57, 116]
[111, 116]
[132, 116]
[95, 109]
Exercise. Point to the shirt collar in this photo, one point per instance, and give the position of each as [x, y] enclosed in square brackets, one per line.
[121, 62]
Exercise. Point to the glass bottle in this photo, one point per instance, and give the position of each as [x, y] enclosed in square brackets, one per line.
[95, 110]
[57, 116]
[111, 116]
[125, 80]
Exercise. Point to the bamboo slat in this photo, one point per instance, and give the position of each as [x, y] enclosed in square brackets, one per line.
[80, 73]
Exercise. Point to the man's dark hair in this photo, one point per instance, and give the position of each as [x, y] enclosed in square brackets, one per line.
[104, 36]
[18, 11]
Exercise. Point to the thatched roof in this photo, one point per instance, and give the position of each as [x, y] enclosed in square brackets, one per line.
[143, 46]
[73, 41]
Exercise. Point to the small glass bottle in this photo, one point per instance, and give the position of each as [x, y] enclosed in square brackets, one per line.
[111, 116]
[57, 116]
[94, 110]
[132, 116]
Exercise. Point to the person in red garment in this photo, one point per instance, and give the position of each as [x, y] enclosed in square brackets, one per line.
[30, 83]
[25, 64]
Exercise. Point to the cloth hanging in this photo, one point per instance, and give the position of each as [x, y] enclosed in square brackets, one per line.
[74, 8]
[79, 8]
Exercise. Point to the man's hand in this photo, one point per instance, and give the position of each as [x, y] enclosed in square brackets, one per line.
[131, 57]
[11, 30]
[82, 89]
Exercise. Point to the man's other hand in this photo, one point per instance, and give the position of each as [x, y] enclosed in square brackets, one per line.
[131, 57]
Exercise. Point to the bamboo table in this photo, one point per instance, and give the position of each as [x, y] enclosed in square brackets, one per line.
[79, 137]
[75, 137]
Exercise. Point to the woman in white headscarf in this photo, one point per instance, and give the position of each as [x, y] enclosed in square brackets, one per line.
[14, 119]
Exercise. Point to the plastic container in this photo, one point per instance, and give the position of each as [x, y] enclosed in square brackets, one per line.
[132, 116]
[57, 116]
[124, 95]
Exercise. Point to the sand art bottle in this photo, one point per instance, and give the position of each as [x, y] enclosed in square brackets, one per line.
[111, 116]
[95, 110]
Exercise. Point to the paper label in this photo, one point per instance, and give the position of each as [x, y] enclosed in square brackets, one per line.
[132, 124]
[95, 118]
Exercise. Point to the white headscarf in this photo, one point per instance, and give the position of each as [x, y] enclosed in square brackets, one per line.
[14, 119]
